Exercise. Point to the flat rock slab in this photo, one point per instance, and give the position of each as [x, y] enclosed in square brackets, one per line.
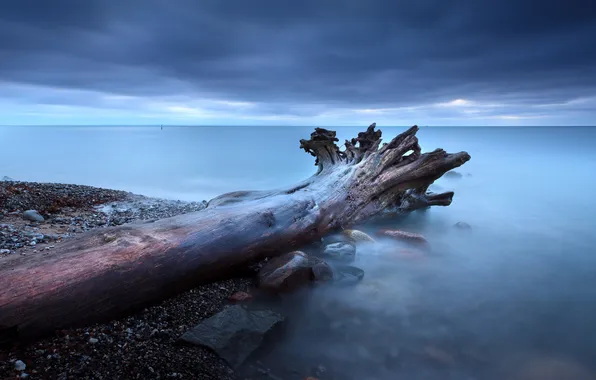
[234, 333]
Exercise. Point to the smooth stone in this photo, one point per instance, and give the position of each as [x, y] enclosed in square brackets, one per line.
[292, 271]
[340, 251]
[348, 275]
[358, 236]
[453, 174]
[19, 365]
[462, 225]
[404, 236]
[33, 216]
[234, 333]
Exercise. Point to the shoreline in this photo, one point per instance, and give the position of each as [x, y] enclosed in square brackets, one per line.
[139, 346]
[71, 209]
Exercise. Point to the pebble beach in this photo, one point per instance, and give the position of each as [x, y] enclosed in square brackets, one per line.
[142, 346]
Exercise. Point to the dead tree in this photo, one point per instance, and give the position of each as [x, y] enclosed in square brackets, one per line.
[111, 272]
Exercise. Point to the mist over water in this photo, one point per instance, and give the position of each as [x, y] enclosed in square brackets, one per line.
[514, 294]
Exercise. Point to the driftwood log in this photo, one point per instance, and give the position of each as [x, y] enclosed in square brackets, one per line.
[111, 272]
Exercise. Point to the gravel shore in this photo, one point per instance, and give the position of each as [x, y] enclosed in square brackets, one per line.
[138, 347]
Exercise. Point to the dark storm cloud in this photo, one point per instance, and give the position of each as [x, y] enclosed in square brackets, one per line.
[338, 53]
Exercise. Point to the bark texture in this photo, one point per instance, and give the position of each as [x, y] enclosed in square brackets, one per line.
[108, 273]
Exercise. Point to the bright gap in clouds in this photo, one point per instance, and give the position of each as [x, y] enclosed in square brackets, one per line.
[49, 105]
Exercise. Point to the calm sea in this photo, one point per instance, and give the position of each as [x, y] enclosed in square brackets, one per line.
[516, 290]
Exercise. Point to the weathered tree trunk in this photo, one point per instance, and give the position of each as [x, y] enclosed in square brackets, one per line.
[107, 273]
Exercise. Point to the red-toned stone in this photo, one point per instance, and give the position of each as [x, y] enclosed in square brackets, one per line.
[409, 237]
[291, 271]
[240, 297]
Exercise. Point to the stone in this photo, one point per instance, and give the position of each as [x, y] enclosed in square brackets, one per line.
[234, 333]
[348, 275]
[33, 216]
[4, 251]
[19, 365]
[453, 174]
[291, 271]
[340, 251]
[240, 297]
[93, 340]
[462, 225]
[358, 236]
[409, 237]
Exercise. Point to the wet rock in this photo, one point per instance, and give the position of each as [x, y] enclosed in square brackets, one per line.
[292, 271]
[409, 237]
[224, 332]
[321, 271]
[340, 252]
[453, 174]
[347, 274]
[336, 238]
[240, 297]
[33, 216]
[358, 236]
[462, 225]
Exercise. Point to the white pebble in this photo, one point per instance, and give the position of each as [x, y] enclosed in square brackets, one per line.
[19, 365]
[93, 340]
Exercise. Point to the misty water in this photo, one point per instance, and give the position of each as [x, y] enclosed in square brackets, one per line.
[514, 297]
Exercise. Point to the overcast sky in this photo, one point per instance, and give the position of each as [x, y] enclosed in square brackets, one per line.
[290, 62]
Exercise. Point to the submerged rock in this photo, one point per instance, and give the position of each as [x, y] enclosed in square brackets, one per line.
[462, 225]
[291, 271]
[348, 275]
[33, 216]
[358, 236]
[453, 174]
[234, 333]
[409, 237]
[340, 251]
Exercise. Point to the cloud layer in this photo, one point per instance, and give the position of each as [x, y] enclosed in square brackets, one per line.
[435, 62]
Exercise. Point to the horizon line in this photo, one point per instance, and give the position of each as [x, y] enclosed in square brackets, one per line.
[293, 126]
